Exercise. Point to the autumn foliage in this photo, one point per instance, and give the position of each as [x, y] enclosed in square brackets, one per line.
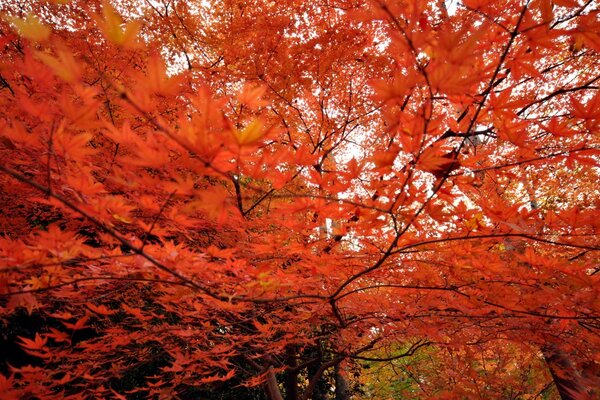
[300, 199]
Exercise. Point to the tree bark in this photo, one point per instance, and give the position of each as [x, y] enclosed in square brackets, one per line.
[342, 389]
[566, 377]
[317, 387]
[271, 388]
[291, 375]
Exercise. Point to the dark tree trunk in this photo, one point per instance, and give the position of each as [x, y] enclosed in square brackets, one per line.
[291, 375]
[342, 389]
[320, 386]
[271, 387]
[566, 377]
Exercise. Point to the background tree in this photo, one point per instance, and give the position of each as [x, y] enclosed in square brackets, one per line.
[201, 197]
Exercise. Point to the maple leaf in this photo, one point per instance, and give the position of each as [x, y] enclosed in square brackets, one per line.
[38, 343]
[250, 96]
[251, 134]
[157, 80]
[264, 328]
[136, 312]
[30, 27]
[101, 309]
[69, 145]
[36, 347]
[272, 207]
[254, 381]
[111, 24]
[40, 282]
[26, 300]
[219, 378]
[58, 336]
[65, 66]
[62, 315]
[386, 158]
[475, 222]
[6, 386]
[559, 127]
[78, 325]
[435, 161]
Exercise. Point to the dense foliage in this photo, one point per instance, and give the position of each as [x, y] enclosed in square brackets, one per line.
[250, 199]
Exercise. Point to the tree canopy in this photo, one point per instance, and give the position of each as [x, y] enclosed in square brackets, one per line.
[300, 199]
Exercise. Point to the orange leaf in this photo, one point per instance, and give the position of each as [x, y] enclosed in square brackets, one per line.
[250, 96]
[101, 309]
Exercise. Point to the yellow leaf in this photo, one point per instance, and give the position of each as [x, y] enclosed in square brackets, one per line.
[30, 28]
[250, 134]
[41, 282]
[474, 222]
[123, 219]
[499, 247]
[65, 66]
[112, 26]
[112, 23]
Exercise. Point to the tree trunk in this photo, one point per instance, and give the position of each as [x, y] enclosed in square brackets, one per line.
[566, 377]
[342, 389]
[317, 388]
[271, 388]
[291, 375]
